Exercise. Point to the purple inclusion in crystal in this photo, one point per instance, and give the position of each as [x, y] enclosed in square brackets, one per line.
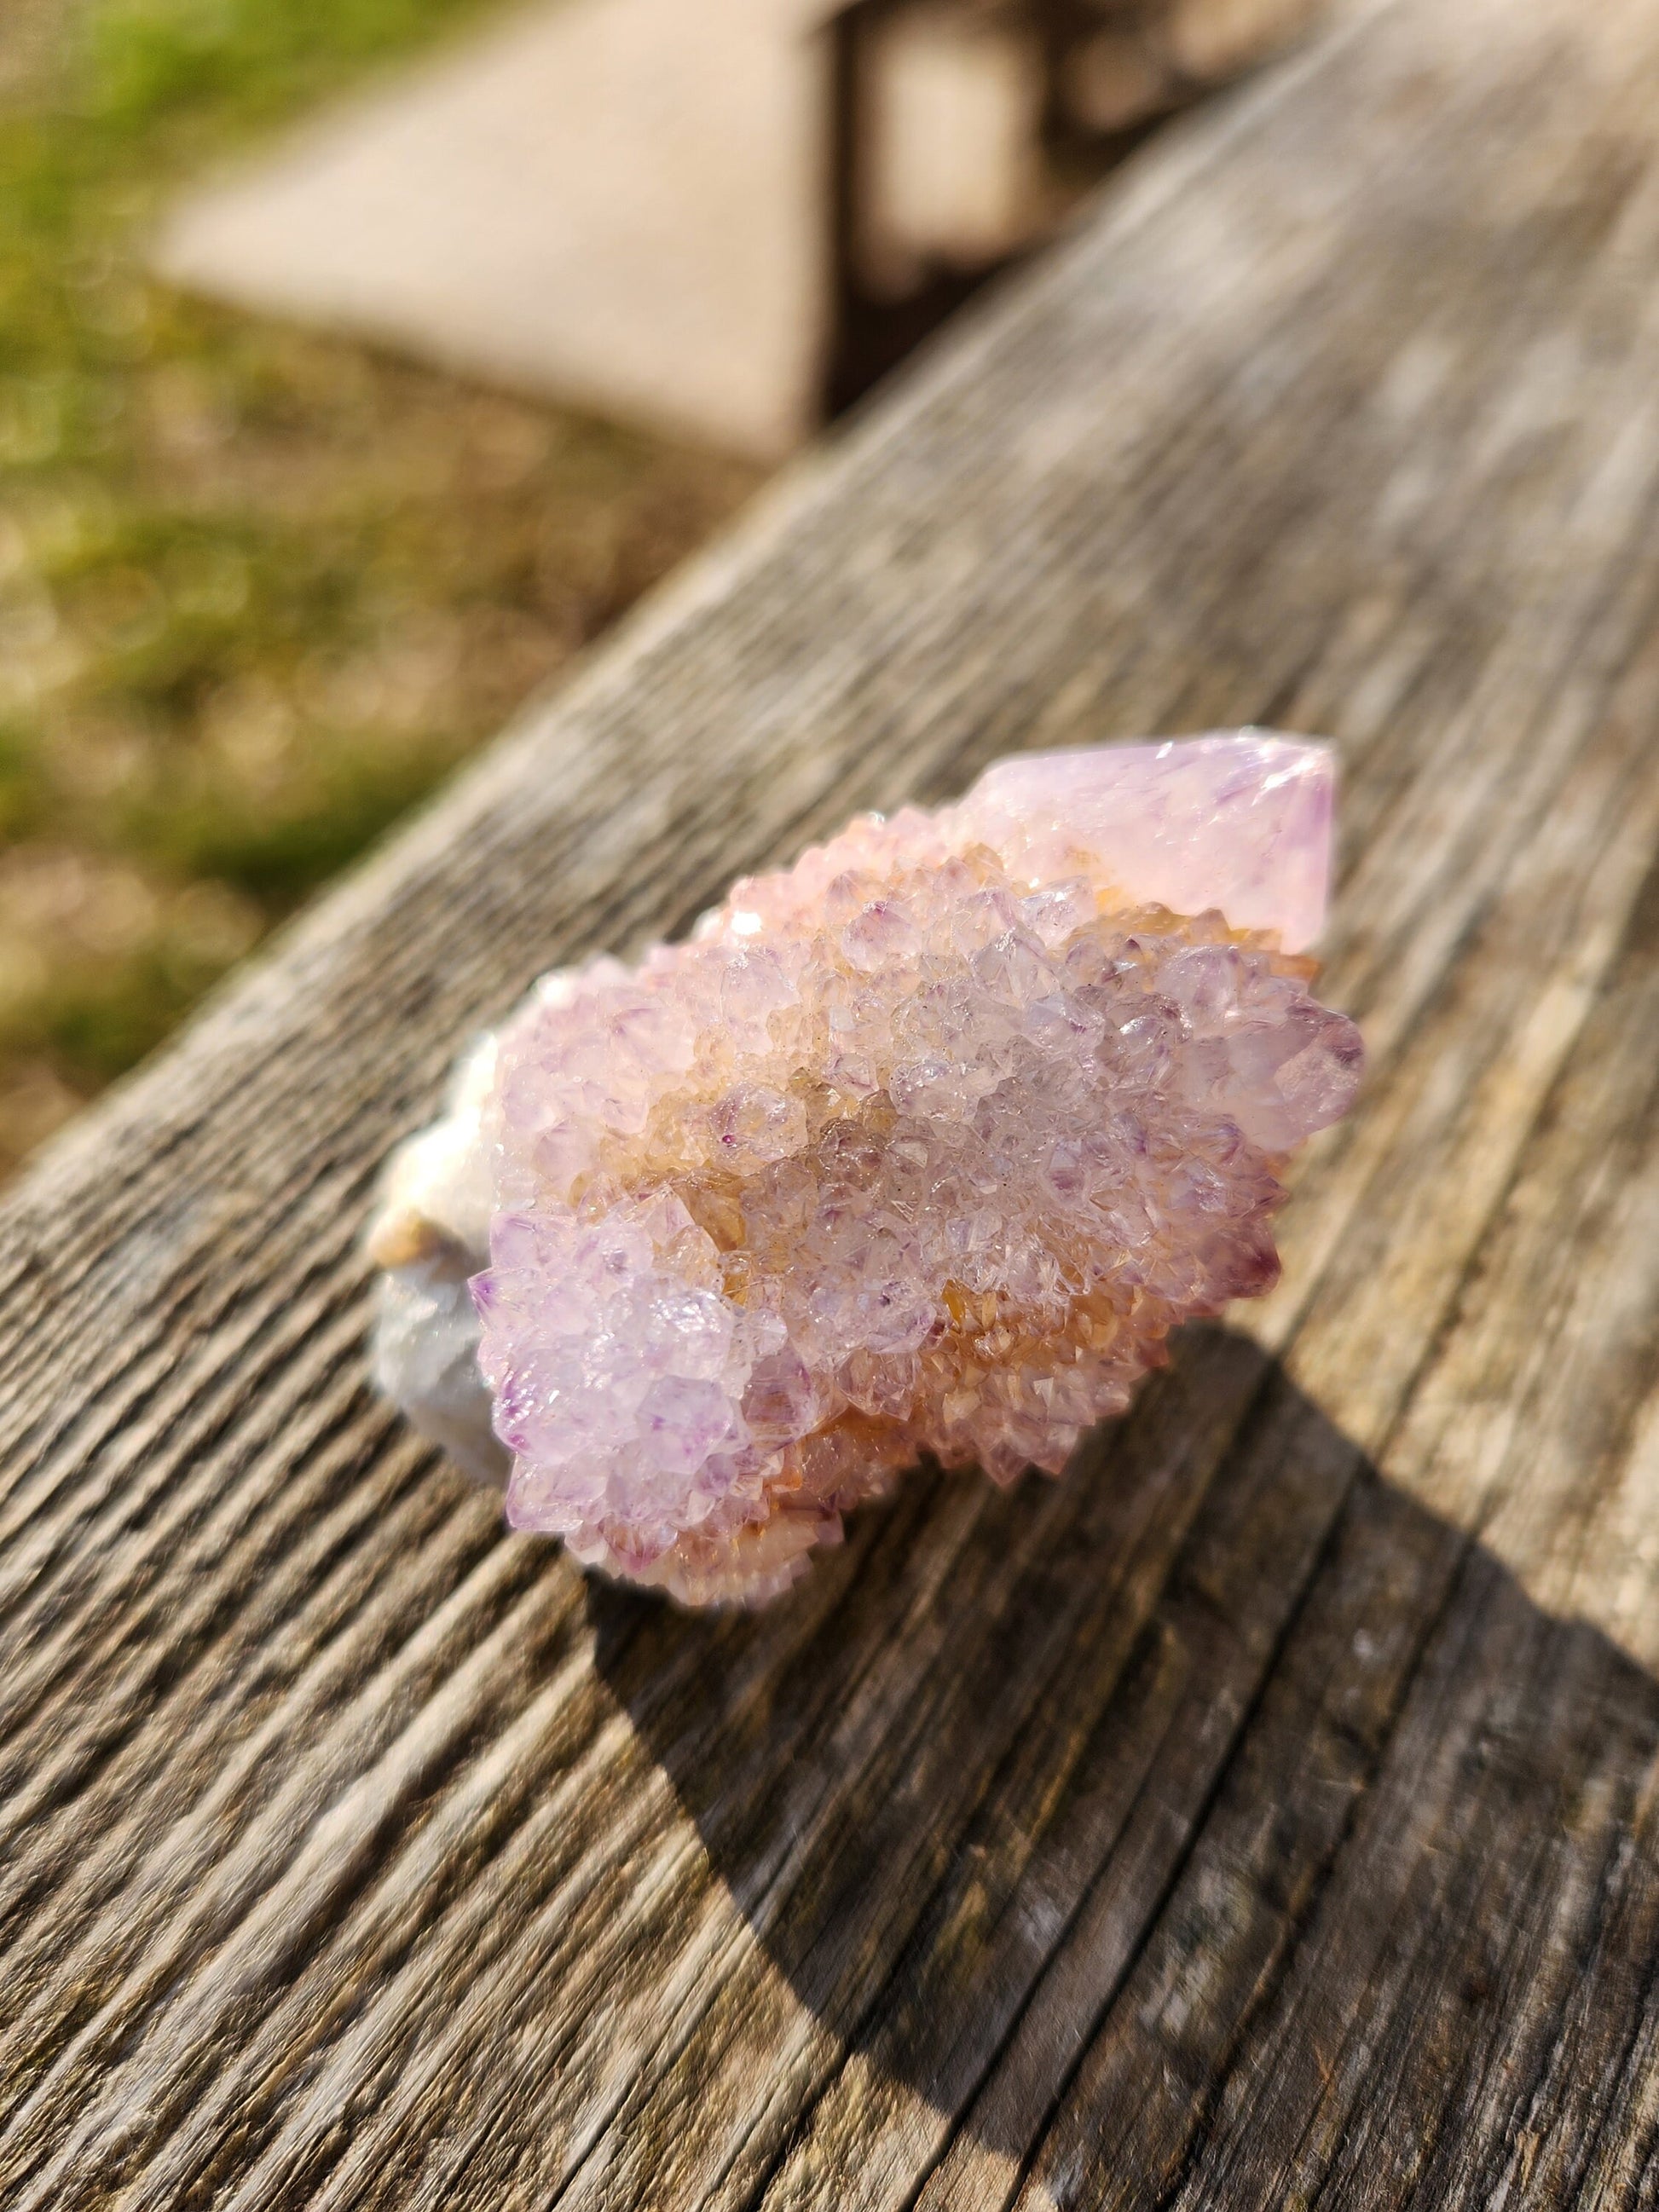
[926, 1143]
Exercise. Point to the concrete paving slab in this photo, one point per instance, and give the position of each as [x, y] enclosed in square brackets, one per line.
[617, 202]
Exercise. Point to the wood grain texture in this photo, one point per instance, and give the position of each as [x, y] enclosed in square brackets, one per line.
[1267, 1815]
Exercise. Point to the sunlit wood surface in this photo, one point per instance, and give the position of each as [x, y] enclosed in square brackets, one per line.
[1262, 1816]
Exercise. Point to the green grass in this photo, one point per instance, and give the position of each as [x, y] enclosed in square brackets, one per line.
[259, 590]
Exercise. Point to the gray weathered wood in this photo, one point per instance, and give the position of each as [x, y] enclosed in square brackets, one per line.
[1266, 1814]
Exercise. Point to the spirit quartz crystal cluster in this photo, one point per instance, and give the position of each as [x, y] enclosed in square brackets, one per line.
[923, 1146]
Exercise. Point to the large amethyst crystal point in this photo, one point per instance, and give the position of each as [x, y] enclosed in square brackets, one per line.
[925, 1145]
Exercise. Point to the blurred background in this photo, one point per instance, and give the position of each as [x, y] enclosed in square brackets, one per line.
[360, 361]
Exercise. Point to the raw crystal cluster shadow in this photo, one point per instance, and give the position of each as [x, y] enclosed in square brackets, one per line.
[923, 1146]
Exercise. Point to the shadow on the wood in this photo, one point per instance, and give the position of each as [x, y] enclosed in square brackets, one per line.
[1127, 1797]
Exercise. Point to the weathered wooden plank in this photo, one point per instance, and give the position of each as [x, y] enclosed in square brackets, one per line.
[1265, 1813]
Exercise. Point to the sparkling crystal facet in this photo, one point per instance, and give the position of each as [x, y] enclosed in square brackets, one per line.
[923, 1145]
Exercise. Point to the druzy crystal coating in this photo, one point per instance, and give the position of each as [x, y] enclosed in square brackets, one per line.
[922, 1145]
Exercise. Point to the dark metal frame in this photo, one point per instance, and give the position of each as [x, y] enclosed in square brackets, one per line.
[872, 334]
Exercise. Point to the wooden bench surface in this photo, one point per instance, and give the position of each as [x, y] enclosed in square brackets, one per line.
[1265, 1815]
